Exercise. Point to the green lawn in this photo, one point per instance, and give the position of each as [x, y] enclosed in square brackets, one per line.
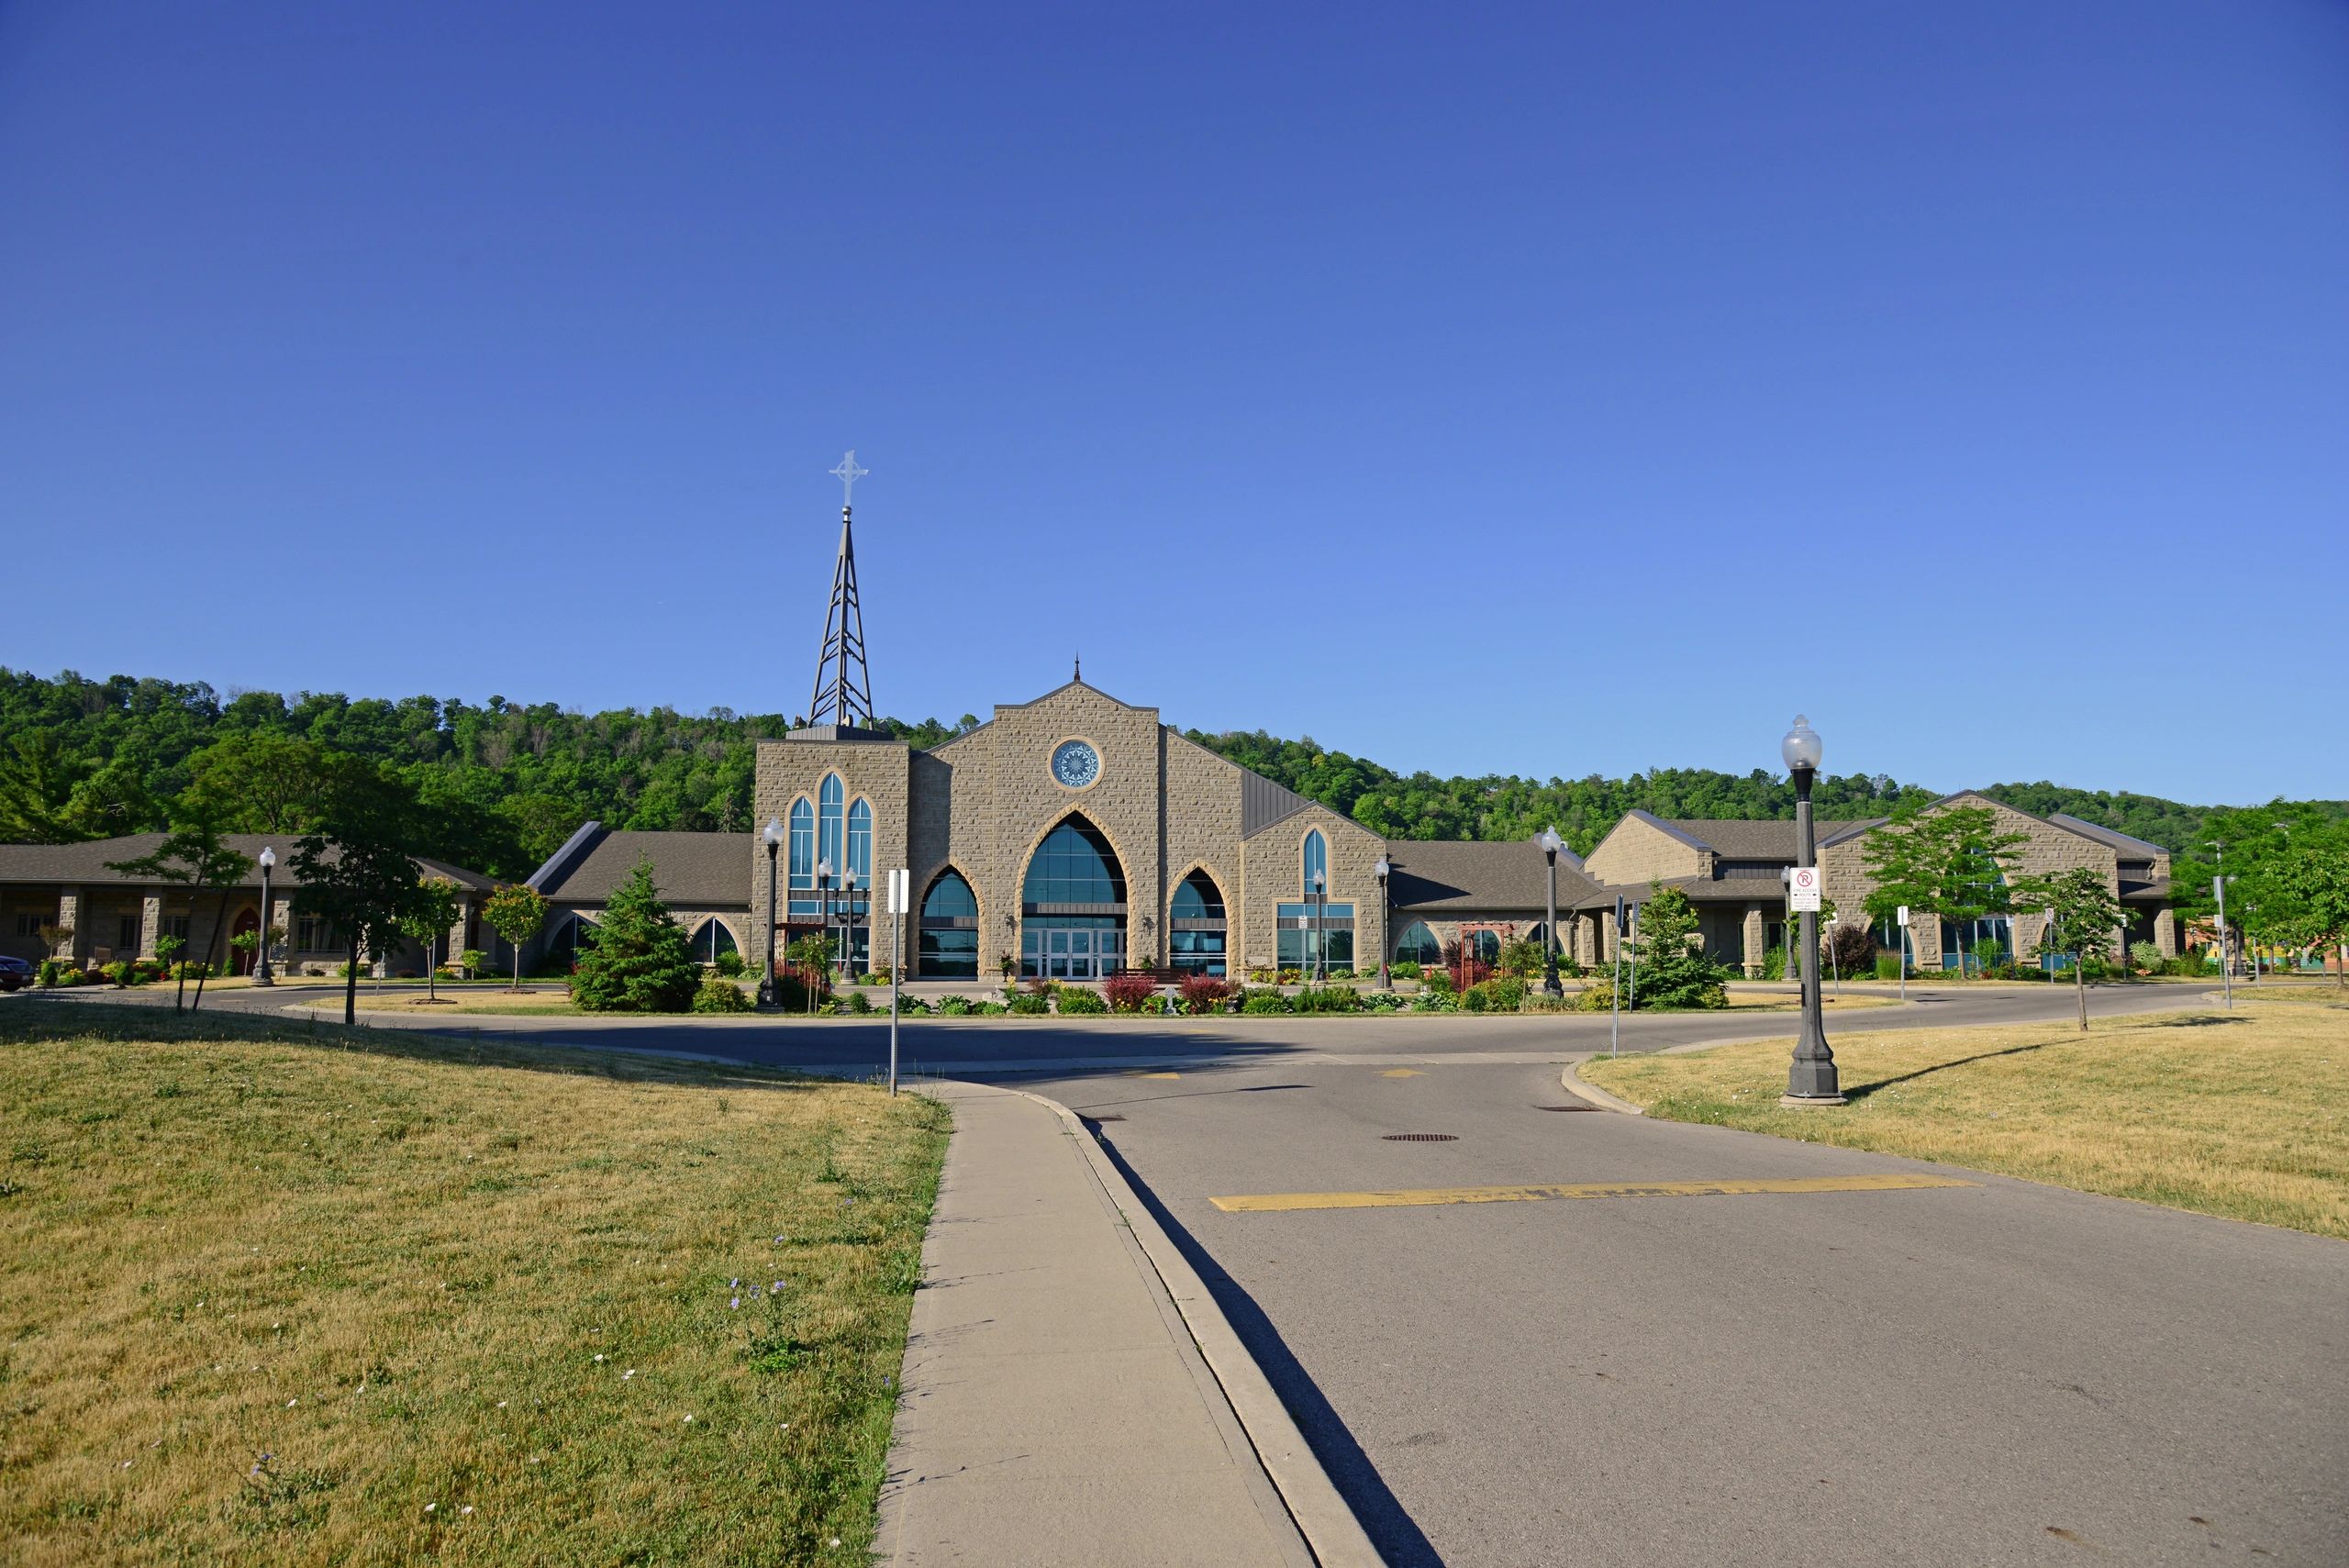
[2243, 1114]
[284, 1295]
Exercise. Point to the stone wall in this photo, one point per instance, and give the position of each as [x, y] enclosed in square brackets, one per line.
[1272, 873]
[879, 772]
[1638, 851]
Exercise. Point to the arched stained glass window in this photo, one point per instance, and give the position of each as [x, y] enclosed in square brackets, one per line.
[859, 842]
[1074, 864]
[713, 939]
[803, 859]
[1316, 859]
[948, 946]
[830, 799]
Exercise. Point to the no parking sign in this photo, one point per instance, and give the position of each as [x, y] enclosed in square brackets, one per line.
[1802, 890]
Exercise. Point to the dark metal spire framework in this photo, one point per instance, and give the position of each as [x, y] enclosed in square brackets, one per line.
[843, 686]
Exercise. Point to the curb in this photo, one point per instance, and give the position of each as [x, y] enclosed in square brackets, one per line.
[1332, 1532]
[1570, 1082]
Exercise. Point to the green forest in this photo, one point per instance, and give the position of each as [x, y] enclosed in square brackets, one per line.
[508, 782]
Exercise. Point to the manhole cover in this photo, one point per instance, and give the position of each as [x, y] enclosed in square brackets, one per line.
[1565, 1107]
[1420, 1138]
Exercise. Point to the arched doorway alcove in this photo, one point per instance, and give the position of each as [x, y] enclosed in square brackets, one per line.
[1073, 906]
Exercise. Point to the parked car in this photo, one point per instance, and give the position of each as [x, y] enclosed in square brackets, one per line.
[14, 973]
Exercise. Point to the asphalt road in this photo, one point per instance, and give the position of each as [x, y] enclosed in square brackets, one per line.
[1981, 1375]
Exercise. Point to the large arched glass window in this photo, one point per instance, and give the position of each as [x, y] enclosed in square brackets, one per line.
[1196, 937]
[1074, 864]
[1316, 859]
[949, 943]
[1417, 945]
[830, 799]
[860, 844]
[803, 860]
[713, 939]
[1073, 906]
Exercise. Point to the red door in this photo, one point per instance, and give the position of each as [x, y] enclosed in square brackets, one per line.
[240, 960]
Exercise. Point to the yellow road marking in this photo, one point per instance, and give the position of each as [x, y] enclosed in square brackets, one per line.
[1402, 1072]
[1414, 1197]
[1168, 1076]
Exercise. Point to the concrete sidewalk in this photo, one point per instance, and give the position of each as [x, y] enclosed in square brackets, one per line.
[1060, 1407]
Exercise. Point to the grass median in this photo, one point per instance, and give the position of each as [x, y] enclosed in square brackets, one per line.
[290, 1295]
[2243, 1114]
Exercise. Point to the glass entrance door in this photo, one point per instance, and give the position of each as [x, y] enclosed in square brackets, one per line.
[1069, 952]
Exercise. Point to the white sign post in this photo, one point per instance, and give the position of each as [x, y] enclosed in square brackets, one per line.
[1902, 914]
[900, 897]
[1802, 891]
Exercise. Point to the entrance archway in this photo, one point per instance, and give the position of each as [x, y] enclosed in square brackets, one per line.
[248, 922]
[1073, 906]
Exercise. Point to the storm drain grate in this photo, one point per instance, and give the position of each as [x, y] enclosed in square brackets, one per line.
[1565, 1107]
[1420, 1138]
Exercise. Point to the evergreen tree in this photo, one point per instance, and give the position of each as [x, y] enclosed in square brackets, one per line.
[1675, 971]
[642, 960]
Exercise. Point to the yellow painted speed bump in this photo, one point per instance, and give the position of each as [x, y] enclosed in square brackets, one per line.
[1402, 1072]
[1418, 1197]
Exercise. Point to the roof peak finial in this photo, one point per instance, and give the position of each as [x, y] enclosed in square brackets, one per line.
[1079, 674]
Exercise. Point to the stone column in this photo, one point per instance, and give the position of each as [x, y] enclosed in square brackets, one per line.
[68, 915]
[1756, 941]
[151, 923]
[2166, 932]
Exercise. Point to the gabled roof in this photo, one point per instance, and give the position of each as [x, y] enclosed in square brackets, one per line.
[1767, 839]
[1438, 875]
[2133, 848]
[87, 861]
[697, 870]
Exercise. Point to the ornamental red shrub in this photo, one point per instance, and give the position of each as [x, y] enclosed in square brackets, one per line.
[1129, 993]
[1204, 993]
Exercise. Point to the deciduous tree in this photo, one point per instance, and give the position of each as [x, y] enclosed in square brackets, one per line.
[192, 856]
[2084, 919]
[516, 911]
[356, 866]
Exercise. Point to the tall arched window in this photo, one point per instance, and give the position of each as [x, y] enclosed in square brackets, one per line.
[860, 844]
[948, 947]
[1196, 935]
[829, 799]
[1316, 859]
[1073, 906]
[712, 940]
[803, 861]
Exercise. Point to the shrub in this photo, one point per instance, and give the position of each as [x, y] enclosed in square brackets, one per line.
[956, 1007]
[912, 1004]
[1206, 994]
[1079, 999]
[1129, 993]
[1887, 965]
[1328, 999]
[1341, 974]
[1848, 950]
[2146, 956]
[1774, 964]
[856, 1002]
[728, 964]
[1508, 995]
[1408, 969]
[796, 991]
[1381, 1002]
[642, 960]
[1434, 1001]
[719, 995]
[1027, 1004]
[1598, 995]
[1255, 1001]
[120, 972]
[991, 1010]
[1289, 976]
[1475, 999]
[1439, 981]
[1520, 958]
[1543, 1002]
[56, 971]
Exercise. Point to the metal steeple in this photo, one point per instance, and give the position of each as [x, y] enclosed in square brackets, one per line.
[843, 686]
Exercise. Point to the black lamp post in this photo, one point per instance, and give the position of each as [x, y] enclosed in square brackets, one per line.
[1551, 844]
[1386, 939]
[848, 923]
[773, 837]
[1811, 1079]
[1321, 927]
[824, 895]
[260, 952]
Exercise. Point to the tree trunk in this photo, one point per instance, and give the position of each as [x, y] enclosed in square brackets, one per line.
[2080, 984]
[179, 997]
[351, 986]
[431, 970]
[219, 918]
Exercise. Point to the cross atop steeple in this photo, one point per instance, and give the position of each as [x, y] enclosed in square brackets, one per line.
[844, 685]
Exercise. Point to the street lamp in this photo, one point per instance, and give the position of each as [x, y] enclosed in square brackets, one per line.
[1811, 1079]
[848, 922]
[773, 836]
[1382, 871]
[1320, 929]
[824, 892]
[260, 962]
[1551, 844]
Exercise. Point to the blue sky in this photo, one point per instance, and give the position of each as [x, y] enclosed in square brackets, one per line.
[1548, 390]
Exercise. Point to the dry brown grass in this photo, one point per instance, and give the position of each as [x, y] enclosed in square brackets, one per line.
[2244, 1115]
[327, 1298]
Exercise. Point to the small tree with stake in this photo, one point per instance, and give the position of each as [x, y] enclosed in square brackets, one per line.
[2083, 920]
[433, 911]
[516, 911]
[192, 856]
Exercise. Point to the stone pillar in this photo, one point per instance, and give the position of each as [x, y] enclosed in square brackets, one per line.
[151, 923]
[68, 915]
[1756, 941]
[2166, 932]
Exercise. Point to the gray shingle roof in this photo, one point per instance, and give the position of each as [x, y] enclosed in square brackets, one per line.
[1740, 890]
[2133, 849]
[1755, 839]
[87, 861]
[1432, 876]
[695, 870]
